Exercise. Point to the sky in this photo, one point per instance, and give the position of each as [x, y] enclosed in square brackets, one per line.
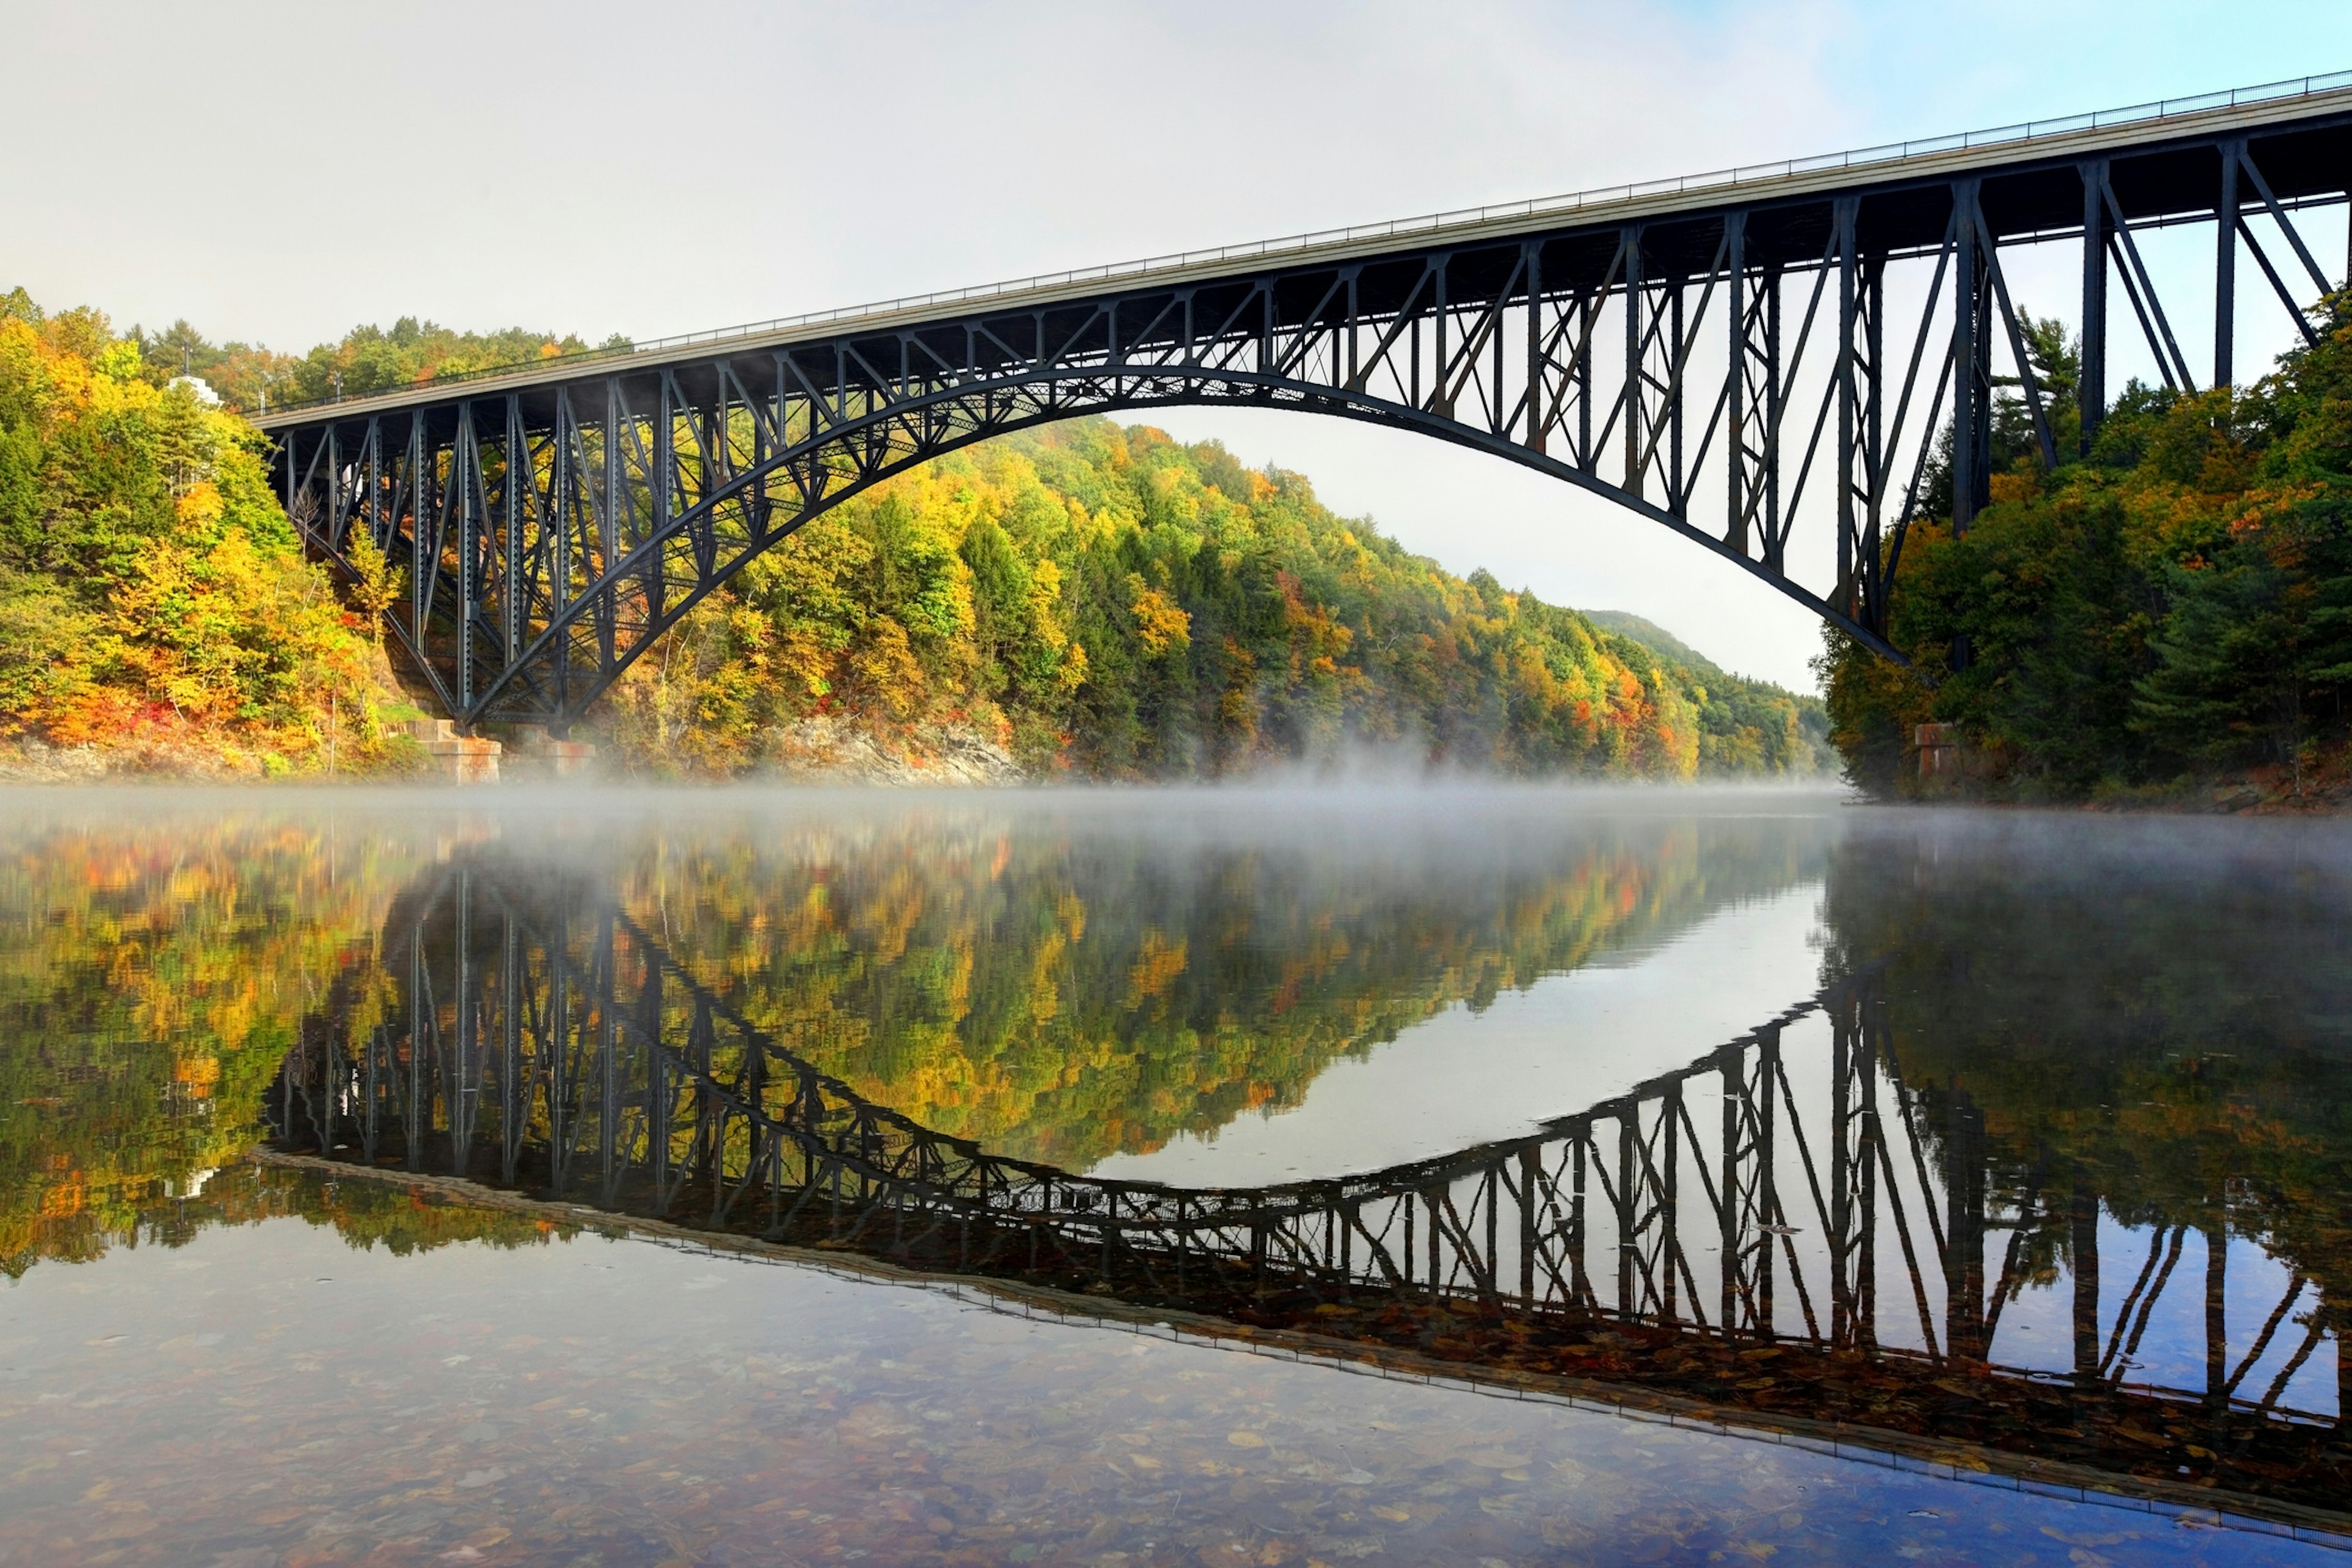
[280, 172]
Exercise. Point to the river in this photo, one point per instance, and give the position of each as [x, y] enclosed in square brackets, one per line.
[1196, 1176]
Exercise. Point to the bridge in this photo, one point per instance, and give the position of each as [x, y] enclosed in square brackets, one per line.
[1760, 360]
[1789, 1196]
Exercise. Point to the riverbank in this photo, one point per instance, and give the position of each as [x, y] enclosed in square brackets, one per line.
[1948, 771]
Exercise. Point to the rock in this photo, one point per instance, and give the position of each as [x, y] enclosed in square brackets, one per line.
[827, 748]
[31, 760]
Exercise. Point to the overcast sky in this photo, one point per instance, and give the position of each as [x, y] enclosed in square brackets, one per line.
[281, 172]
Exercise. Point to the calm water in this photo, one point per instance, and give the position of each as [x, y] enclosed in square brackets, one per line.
[1482, 1177]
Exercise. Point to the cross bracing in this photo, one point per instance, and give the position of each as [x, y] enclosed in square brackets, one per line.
[1764, 366]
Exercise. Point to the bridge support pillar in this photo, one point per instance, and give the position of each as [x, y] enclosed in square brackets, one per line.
[2091, 394]
[554, 758]
[464, 759]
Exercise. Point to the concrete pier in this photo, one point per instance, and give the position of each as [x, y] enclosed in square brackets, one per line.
[464, 759]
[552, 757]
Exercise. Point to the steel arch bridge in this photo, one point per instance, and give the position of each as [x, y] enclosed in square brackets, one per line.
[1761, 361]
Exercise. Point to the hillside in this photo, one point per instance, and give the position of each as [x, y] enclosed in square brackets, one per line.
[2171, 611]
[1105, 602]
[1734, 692]
[1657, 639]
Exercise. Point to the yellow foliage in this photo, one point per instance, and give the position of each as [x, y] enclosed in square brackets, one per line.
[1160, 623]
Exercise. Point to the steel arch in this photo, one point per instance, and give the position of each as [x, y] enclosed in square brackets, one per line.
[1245, 389]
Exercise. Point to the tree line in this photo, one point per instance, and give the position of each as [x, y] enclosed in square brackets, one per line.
[2172, 607]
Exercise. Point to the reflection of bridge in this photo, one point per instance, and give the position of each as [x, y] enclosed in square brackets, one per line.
[1788, 1191]
[1730, 356]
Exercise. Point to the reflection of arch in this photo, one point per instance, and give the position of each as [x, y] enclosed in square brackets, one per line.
[549, 1042]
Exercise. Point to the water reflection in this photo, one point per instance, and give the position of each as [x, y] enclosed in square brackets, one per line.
[264, 1394]
[1067, 981]
[2031, 1137]
[1823, 1218]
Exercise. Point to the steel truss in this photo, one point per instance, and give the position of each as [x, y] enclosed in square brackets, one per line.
[1756, 1195]
[1764, 371]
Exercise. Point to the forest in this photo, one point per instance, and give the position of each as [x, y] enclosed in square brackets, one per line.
[2168, 613]
[1087, 601]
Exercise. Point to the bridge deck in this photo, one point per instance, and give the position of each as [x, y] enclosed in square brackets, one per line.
[2305, 130]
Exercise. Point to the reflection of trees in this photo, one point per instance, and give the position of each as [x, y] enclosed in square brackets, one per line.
[367, 1215]
[2157, 1013]
[152, 975]
[1058, 991]
[1063, 996]
[550, 1044]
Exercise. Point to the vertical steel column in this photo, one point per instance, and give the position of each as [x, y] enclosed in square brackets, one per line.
[1677, 483]
[1530, 1170]
[1775, 397]
[2217, 1319]
[563, 481]
[1872, 437]
[1843, 1044]
[1631, 243]
[661, 482]
[1768, 1188]
[412, 1127]
[510, 982]
[372, 510]
[2091, 394]
[1532, 254]
[330, 529]
[1969, 406]
[519, 474]
[2092, 391]
[1441, 391]
[1728, 1253]
[1735, 389]
[608, 1102]
[1670, 1198]
[2083, 1248]
[1964, 1226]
[1849, 302]
[1587, 310]
[1627, 1131]
[557, 1035]
[610, 522]
[1497, 407]
[465, 476]
[2225, 267]
[1862, 1276]
[1580, 1280]
[420, 505]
